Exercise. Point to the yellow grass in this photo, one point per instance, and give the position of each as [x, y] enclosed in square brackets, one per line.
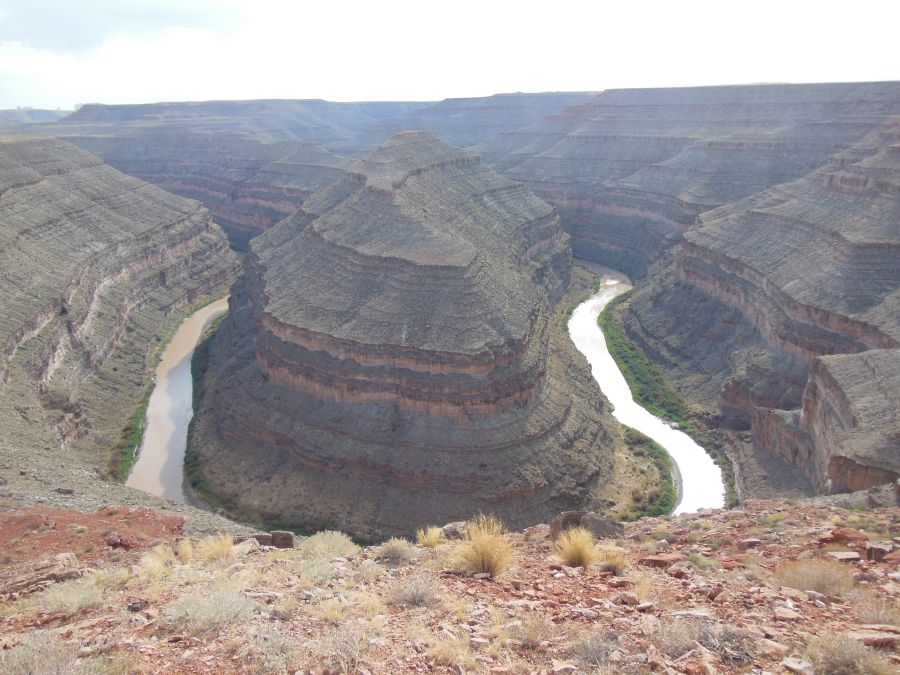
[430, 536]
[214, 548]
[488, 549]
[576, 547]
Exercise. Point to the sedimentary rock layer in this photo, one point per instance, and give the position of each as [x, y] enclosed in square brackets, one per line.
[784, 308]
[247, 185]
[390, 358]
[94, 265]
[630, 170]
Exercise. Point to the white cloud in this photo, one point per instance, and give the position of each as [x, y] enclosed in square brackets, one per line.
[194, 50]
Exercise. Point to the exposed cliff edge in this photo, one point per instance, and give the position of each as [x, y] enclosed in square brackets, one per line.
[630, 170]
[784, 310]
[390, 359]
[95, 266]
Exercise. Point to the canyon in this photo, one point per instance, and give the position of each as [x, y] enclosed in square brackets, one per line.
[96, 266]
[393, 356]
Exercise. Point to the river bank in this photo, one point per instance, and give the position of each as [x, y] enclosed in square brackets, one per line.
[159, 467]
[702, 485]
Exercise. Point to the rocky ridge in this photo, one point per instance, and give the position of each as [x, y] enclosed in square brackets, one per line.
[96, 265]
[781, 587]
[404, 363]
[783, 310]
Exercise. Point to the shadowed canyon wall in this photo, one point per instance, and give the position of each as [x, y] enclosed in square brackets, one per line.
[95, 266]
[391, 357]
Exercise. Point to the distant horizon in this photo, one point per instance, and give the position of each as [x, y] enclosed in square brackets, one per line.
[78, 106]
[55, 54]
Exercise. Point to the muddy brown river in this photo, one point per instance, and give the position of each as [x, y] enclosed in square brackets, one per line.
[159, 467]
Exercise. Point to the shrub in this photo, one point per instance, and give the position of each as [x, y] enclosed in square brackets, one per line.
[344, 649]
[675, 638]
[839, 655]
[488, 548]
[430, 536]
[41, 652]
[828, 577]
[593, 649]
[576, 547]
[417, 591]
[184, 551]
[395, 552]
[157, 562]
[202, 614]
[326, 545]
[872, 609]
[702, 562]
[215, 547]
[533, 631]
[613, 560]
[71, 597]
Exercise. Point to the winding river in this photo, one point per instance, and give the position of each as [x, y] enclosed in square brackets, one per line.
[701, 479]
[159, 467]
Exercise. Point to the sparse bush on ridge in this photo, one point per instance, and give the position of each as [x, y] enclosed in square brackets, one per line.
[488, 548]
[327, 544]
[534, 630]
[593, 649]
[214, 548]
[345, 647]
[576, 547]
[430, 536]
[395, 552]
[416, 591]
[839, 655]
[828, 577]
[203, 613]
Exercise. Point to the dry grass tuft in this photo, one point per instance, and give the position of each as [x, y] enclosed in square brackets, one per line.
[447, 650]
[488, 548]
[534, 631]
[593, 649]
[430, 536]
[184, 551]
[828, 577]
[577, 547]
[327, 545]
[839, 655]
[202, 614]
[872, 609]
[676, 638]
[613, 560]
[344, 649]
[214, 548]
[418, 591]
[40, 652]
[157, 562]
[71, 597]
[395, 552]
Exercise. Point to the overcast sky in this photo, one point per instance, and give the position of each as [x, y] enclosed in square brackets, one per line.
[56, 53]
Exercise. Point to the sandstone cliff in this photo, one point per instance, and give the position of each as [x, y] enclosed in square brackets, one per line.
[95, 266]
[390, 358]
[630, 170]
[784, 309]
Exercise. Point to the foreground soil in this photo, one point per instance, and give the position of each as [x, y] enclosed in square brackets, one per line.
[774, 587]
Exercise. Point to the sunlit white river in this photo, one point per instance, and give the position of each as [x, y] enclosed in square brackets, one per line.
[159, 468]
[701, 479]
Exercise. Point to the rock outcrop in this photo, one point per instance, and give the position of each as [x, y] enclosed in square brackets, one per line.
[630, 170]
[95, 267]
[391, 357]
[784, 310]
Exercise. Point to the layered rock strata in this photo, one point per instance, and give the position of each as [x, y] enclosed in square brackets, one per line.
[630, 170]
[784, 310]
[94, 266]
[248, 186]
[390, 358]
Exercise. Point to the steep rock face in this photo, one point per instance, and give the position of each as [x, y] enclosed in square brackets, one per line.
[784, 309]
[248, 186]
[630, 170]
[403, 366]
[95, 264]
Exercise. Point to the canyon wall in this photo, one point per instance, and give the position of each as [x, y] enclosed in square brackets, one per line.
[783, 309]
[630, 170]
[96, 266]
[393, 357]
